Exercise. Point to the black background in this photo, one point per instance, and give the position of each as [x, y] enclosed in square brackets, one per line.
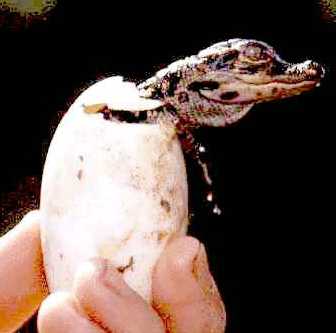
[270, 169]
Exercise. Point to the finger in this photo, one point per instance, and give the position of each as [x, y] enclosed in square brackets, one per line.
[184, 292]
[109, 301]
[60, 313]
[22, 282]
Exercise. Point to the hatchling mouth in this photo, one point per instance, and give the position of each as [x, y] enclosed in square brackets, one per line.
[307, 71]
[282, 80]
[293, 82]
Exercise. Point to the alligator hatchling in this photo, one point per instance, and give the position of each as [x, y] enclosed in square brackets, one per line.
[217, 87]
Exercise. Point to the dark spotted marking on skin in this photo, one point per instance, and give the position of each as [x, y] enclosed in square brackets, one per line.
[158, 93]
[252, 68]
[259, 94]
[230, 55]
[229, 95]
[165, 205]
[183, 97]
[224, 61]
[122, 269]
[171, 109]
[279, 68]
[80, 174]
[203, 85]
[173, 80]
[275, 90]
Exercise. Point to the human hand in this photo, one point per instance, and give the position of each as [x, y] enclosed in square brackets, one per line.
[22, 283]
[185, 297]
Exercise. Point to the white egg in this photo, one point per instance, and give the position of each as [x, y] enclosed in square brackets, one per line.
[111, 190]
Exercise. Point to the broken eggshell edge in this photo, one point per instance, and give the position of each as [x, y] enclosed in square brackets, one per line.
[111, 190]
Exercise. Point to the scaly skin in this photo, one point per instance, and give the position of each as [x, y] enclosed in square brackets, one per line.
[218, 87]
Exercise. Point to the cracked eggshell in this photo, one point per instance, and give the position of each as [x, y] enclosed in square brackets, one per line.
[111, 190]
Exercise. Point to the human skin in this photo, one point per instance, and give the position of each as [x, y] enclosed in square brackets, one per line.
[185, 297]
[22, 282]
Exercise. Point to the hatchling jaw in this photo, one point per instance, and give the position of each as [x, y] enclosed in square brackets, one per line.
[276, 82]
[255, 73]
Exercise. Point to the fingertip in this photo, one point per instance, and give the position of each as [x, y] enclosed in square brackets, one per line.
[22, 284]
[173, 278]
[30, 222]
[108, 301]
[29, 226]
[49, 313]
[53, 301]
[61, 312]
[33, 216]
[180, 253]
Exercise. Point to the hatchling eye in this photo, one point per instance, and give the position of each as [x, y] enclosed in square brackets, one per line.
[256, 53]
